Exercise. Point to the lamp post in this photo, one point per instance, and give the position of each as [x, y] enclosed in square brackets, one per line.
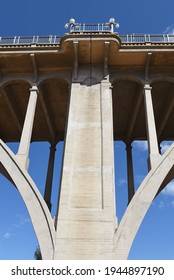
[71, 24]
[112, 23]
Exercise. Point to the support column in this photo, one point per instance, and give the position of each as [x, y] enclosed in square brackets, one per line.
[49, 180]
[107, 150]
[154, 154]
[25, 140]
[130, 173]
[86, 220]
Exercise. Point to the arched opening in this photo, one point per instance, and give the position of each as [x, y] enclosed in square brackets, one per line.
[130, 127]
[128, 111]
[49, 125]
[14, 97]
[54, 102]
[163, 103]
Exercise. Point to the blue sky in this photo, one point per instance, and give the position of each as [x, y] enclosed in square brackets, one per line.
[40, 17]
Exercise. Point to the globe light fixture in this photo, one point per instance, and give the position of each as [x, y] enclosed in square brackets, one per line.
[112, 23]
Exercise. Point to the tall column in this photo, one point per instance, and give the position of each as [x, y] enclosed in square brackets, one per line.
[86, 220]
[25, 140]
[154, 154]
[49, 180]
[107, 150]
[130, 173]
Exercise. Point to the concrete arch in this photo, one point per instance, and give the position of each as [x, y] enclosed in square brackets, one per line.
[161, 79]
[38, 211]
[15, 81]
[140, 203]
[50, 79]
[128, 78]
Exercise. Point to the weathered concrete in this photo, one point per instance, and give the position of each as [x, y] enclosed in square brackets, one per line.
[86, 219]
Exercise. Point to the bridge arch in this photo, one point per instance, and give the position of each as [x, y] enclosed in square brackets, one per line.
[38, 211]
[141, 202]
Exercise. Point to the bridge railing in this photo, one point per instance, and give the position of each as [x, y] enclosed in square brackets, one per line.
[143, 38]
[83, 27]
[30, 40]
[128, 38]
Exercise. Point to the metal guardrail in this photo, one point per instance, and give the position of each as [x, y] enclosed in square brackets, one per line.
[145, 38]
[100, 27]
[20, 40]
[128, 38]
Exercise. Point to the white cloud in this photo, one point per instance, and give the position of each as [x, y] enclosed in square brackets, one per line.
[169, 29]
[122, 181]
[22, 220]
[7, 235]
[169, 189]
[141, 145]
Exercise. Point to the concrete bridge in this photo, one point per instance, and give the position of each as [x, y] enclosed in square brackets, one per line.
[89, 88]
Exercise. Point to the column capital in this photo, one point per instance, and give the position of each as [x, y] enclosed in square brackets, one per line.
[53, 147]
[34, 88]
[147, 86]
[106, 80]
[128, 146]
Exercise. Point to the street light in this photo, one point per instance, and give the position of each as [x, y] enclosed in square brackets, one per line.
[71, 23]
[112, 23]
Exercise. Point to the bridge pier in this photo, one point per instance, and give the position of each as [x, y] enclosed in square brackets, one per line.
[86, 217]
